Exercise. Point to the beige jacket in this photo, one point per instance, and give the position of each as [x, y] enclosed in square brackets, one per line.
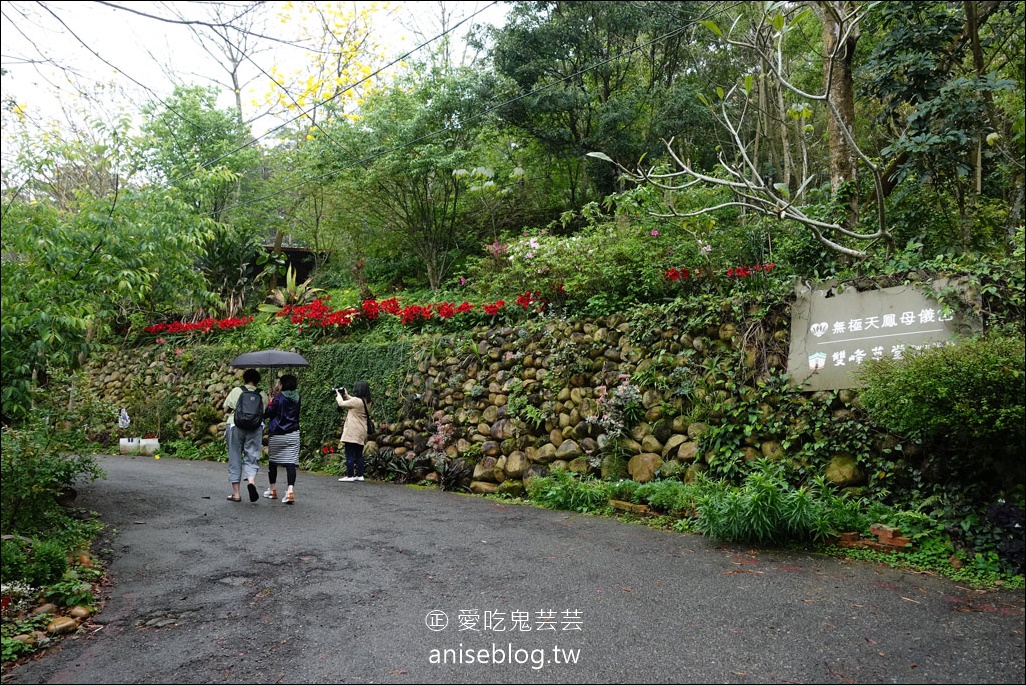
[355, 428]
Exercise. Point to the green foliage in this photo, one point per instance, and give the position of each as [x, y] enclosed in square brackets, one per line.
[970, 395]
[766, 509]
[78, 275]
[13, 649]
[453, 474]
[36, 473]
[375, 463]
[197, 147]
[71, 591]
[564, 490]
[411, 199]
[35, 561]
[942, 106]
[229, 263]
[12, 559]
[743, 415]
[607, 267]
[407, 469]
[152, 413]
[384, 366]
[668, 495]
[934, 555]
[193, 450]
[990, 289]
[47, 563]
[293, 294]
[203, 418]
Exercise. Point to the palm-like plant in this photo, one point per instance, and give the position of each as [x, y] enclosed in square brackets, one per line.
[293, 294]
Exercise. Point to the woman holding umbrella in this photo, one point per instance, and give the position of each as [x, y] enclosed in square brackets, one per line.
[283, 437]
[283, 453]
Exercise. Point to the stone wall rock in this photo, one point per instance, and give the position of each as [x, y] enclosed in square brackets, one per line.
[523, 399]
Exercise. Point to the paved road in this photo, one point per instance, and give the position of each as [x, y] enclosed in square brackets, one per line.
[342, 587]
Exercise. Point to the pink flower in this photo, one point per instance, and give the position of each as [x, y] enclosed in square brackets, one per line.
[655, 232]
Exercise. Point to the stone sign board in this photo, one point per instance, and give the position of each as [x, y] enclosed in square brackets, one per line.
[833, 333]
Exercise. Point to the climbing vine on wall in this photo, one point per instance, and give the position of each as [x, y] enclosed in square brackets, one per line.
[384, 367]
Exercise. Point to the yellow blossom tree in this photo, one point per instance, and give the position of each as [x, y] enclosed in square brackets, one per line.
[342, 61]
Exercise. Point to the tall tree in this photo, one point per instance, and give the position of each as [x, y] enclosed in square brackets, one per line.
[742, 172]
[234, 37]
[598, 75]
[399, 160]
[72, 277]
[192, 144]
[949, 80]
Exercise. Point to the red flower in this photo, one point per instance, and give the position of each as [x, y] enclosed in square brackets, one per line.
[493, 309]
[409, 313]
[370, 309]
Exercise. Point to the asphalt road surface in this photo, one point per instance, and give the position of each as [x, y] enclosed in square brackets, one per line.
[380, 583]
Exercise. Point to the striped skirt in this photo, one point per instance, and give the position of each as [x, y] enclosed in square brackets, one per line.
[283, 449]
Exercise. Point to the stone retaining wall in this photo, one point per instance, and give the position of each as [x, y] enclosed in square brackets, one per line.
[521, 400]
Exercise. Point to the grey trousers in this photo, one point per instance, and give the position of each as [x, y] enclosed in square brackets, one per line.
[244, 450]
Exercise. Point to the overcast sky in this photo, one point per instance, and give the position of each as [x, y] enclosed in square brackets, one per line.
[95, 43]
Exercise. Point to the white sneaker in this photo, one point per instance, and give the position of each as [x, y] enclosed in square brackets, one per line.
[346, 479]
[271, 494]
[359, 478]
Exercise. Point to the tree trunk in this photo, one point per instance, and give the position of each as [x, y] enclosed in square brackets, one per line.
[838, 55]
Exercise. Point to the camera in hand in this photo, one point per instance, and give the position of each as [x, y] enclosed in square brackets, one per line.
[341, 390]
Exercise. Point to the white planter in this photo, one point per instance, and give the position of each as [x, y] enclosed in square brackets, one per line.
[139, 446]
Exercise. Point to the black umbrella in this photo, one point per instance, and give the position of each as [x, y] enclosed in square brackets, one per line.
[269, 359]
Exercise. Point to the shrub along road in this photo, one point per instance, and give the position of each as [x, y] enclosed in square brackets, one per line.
[354, 583]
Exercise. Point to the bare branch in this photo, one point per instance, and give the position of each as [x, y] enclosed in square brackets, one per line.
[742, 178]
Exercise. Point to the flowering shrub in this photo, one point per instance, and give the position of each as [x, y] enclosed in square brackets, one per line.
[318, 314]
[683, 274]
[444, 432]
[20, 594]
[621, 407]
[532, 298]
[202, 327]
[493, 309]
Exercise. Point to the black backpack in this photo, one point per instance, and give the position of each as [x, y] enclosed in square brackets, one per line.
[249, 410]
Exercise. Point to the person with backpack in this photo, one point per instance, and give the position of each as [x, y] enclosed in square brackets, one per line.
[245, 434]
[357, 428]
[283, 438]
